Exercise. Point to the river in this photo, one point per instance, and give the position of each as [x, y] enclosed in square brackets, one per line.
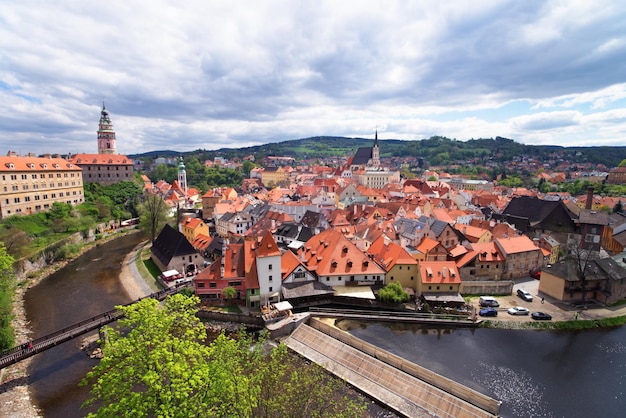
[85, 287]
[534, 373]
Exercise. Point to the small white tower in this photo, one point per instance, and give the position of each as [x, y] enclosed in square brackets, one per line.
[182, 175]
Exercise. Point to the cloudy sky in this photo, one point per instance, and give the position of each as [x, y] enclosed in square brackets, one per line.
[210, 74]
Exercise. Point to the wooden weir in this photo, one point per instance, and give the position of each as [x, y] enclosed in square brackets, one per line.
[401, 390]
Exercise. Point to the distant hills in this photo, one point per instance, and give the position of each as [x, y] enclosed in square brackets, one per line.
[436, 150]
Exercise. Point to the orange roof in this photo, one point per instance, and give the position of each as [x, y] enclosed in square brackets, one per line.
[101, 159]
[288, 263]
[427, 245]
[518, 244]
[201, 242]
[439, 272]
[329, 253]
[12, 164]
[388, 253]
[192, 223]
[267, 247]
[488, 251]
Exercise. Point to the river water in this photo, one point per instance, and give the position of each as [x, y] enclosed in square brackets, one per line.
[534, 373]
[86, 287]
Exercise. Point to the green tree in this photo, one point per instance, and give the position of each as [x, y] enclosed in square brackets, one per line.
[7, 287]
[153, 214]
[622, 163]
[394, 293]
[157, 364]
[247, 167]
[158, 367]
[229, 292]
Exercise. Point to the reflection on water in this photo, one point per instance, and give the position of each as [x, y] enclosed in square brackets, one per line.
[534, 373]
[522, 395]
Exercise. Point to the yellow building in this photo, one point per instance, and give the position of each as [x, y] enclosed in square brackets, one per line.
[32, 184]
[273, 175]
[192, 227]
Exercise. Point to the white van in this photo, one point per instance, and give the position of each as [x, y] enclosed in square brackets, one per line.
[488, 301]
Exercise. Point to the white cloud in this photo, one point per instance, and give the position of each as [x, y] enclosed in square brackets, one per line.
[209, 74]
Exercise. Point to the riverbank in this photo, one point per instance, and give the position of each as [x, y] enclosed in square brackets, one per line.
[15, 397]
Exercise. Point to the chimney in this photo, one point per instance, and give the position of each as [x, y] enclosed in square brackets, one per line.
[445, 272]
[589, 202]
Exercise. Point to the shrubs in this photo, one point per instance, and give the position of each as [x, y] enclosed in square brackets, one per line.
[393, 293]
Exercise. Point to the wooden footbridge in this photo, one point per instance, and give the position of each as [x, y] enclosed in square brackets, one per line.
[407, 388]
[30, 348]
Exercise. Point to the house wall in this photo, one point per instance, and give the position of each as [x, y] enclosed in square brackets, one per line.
[346, 280]
[270, 277]
[552, 286]
[27, 192]
[522, 264]
[405, 274]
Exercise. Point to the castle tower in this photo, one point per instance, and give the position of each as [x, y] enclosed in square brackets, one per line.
[106, 134]
[182, 175]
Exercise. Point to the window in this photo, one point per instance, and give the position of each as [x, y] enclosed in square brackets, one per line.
[213, 285]
[270, 278]
[269, 267]
[270, 288]
[200, 284]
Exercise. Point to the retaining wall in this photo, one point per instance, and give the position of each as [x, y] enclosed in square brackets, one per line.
[470, 395]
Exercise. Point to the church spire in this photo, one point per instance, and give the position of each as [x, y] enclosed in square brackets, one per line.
[375, 151]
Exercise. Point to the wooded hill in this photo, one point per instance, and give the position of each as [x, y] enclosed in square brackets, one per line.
[436, 150]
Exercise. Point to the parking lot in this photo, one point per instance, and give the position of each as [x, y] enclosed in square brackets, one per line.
[559, 311]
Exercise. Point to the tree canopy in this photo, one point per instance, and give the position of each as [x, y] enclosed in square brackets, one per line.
[393, 292]
[7, 283]
[157, 363]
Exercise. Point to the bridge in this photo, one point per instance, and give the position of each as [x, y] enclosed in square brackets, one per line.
[36, 346]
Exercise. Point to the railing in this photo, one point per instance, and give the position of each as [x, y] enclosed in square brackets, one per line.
[391, 315]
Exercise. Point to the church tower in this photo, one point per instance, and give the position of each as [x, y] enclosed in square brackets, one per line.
[106, 134]
[375, 152]
[182, 175]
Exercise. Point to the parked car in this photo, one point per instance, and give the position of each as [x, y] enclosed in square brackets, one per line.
[488, 301]
[541, 316]
[489, 311]
[525, 295]
[518, 310]
[536, 275]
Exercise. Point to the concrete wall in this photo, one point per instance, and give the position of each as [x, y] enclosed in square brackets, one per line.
[470, 395]
[504, 287]
[231, 317]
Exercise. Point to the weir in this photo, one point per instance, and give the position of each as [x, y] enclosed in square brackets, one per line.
[405, 387]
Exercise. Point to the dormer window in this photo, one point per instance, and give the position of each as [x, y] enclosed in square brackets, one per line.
[31, 165]
[56, 165]
[349, 264]
[345, 250]
[334, 264]
[10, 166]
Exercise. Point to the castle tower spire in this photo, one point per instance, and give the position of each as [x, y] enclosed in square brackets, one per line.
[182, 175]
[106, 134]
